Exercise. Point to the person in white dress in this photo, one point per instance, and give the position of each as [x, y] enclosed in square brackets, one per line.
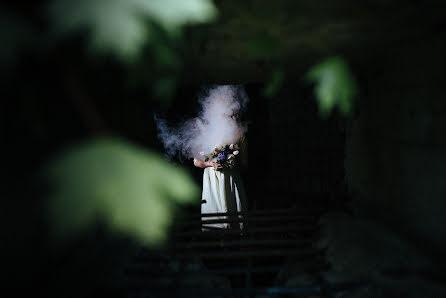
[217, 124]
[223, 192]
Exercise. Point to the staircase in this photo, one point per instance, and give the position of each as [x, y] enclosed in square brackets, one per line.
[272, 256]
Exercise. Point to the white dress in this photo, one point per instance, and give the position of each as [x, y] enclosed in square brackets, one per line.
[223, 191]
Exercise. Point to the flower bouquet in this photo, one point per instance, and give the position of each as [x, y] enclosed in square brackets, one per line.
[225, 155]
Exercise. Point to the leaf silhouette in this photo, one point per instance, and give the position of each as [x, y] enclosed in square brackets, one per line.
[335, 85]
[121, 26]
[130, 189]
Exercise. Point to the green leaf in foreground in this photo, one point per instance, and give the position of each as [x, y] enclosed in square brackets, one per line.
[133, 191]
[335, 85]
[122, 26]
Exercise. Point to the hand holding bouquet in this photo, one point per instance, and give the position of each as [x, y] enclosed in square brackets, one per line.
[224, 155]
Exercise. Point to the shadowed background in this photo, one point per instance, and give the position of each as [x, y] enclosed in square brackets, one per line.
[346, 108]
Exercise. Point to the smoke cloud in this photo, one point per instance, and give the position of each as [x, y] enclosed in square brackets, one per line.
[217, 123]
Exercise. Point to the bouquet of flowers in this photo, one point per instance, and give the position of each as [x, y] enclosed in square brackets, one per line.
[225, 155]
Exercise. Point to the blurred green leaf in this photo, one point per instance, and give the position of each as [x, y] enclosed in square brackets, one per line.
[335, 85]
[166, 57]
[274, 83]
[132, 190]
[121, 26]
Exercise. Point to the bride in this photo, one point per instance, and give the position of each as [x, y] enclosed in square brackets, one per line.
[223, 192]
[215, 126]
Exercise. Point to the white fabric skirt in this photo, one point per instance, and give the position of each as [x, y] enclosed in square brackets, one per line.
[223, 191]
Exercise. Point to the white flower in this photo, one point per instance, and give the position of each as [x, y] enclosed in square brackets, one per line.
[201, 153]
[235, 152]
[230, 156]
[231, 146]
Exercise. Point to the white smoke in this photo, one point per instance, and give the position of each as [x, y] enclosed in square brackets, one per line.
[216, 124]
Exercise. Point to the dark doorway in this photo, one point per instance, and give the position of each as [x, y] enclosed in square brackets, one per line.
[295, 155]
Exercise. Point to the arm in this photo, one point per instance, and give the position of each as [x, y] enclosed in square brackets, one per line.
[206, 164]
